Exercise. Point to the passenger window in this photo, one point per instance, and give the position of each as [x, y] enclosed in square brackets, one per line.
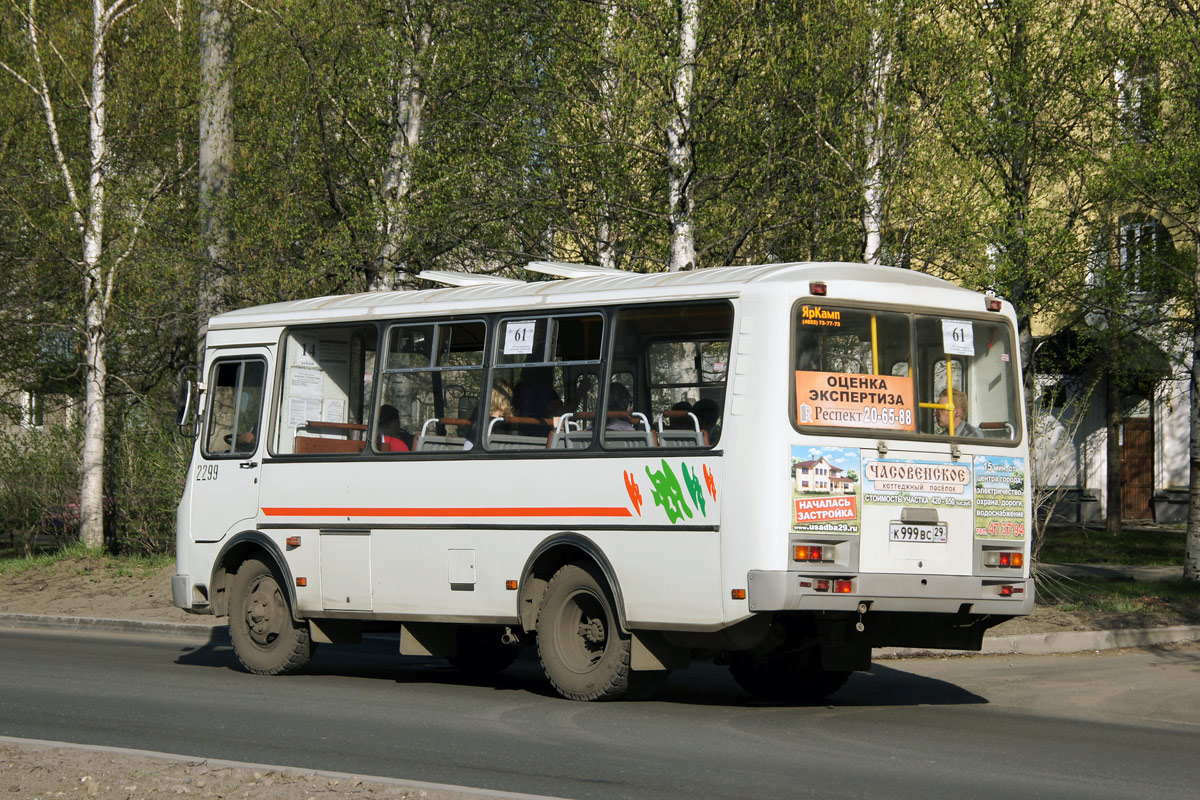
[325, 399]
[235, 397]
[685, 352]
[431, 388]
[550, 367]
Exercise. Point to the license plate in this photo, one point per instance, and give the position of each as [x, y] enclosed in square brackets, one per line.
[910, 532]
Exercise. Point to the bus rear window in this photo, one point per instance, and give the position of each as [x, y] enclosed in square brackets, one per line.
[889, 371]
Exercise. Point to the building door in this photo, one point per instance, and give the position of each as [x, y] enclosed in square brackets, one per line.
[1137, 468]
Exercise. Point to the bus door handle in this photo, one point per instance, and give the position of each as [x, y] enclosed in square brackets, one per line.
[248, 465]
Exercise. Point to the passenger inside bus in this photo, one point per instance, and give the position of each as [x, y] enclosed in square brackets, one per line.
[709, 414]
[680, 421]
[393, 438]
[621, 402]
[961, 426]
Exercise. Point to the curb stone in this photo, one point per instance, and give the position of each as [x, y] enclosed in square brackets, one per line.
[1020, 644]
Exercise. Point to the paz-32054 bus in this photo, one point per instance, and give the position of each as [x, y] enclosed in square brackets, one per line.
[780, 466]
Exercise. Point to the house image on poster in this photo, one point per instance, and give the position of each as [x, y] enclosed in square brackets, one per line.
[821, 476]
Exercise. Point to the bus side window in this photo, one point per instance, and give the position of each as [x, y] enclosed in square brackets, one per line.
[328, 375]
[235, 407]
[431, 385]
[683, 350]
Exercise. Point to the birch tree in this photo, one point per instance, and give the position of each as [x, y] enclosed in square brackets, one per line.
[681, 156]
[879, 68]
[216, 153]
[52, 66]
[414, 54]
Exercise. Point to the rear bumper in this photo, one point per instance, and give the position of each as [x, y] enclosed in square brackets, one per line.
[944, 594]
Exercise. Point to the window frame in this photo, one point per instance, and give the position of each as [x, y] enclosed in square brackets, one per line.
[233, 454]
[913, 314]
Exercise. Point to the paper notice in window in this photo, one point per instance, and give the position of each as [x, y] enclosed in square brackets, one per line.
[958, 337]
[306, 383]
[518, 337]
[302, 410]
[333, 411]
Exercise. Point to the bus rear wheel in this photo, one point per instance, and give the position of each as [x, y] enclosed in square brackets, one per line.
[584, 652]
[791, 676]
[265, 637]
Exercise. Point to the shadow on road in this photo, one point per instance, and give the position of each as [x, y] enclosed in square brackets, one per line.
[702, 684]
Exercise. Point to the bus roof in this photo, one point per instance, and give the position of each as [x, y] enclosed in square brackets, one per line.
[595, 285]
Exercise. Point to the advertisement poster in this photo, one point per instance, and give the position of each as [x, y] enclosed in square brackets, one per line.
[843, 400]
[936, 484]
[999, 497]
[825, 489]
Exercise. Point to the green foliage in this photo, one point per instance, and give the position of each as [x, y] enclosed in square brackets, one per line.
[148, 461]
[39, 488]
[1134, 547]
[1159, 602]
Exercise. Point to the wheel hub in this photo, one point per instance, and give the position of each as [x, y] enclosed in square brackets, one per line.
[263, 613]
[591, 630]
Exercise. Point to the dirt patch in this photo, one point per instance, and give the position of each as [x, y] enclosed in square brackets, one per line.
[94, 587]
[33, 771]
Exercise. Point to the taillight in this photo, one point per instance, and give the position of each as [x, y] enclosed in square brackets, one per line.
[1000, 558]
[812, 552]
[843, 587]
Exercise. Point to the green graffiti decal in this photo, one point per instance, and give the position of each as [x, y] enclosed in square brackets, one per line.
[695, 488]
[667, 492]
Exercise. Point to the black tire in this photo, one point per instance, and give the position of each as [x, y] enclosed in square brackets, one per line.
[791, 676]
[265, 637]
[583, 650]
[481, 652]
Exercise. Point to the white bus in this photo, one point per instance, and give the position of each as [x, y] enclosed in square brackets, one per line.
[757, 464]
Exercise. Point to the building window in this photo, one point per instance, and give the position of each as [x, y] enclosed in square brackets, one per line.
[1137, 90]
[33, 411]
[1144, 249]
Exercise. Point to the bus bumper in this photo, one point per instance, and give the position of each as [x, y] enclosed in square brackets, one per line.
[776, 590]
[183, 596]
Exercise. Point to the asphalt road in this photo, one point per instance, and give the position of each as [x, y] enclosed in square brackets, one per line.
[1121, 724]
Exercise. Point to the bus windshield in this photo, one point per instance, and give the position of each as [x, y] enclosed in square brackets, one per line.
[889, 371]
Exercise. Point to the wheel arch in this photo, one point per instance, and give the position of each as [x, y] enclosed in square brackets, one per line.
[233, 554]
[546, 559]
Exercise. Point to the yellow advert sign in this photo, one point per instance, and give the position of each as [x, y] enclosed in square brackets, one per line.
[841, 400]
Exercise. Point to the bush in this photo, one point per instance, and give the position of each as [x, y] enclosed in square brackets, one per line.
[39, 487]
[147, 463]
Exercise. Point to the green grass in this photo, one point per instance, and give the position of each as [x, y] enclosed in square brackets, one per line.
[1137, 547]
[86, 560]
[1167, 602]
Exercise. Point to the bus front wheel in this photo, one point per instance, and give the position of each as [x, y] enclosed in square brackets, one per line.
[265, 637]
[583, 650]
[790, 676]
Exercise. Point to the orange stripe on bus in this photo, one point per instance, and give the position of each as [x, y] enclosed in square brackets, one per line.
[570, 511]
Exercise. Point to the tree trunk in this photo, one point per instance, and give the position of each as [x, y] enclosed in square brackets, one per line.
[680, 147]
[606, 252]
[1112, 416]
[216, 154]
[1191, 558]
[95, 298]
[880, 67]
[396, 185]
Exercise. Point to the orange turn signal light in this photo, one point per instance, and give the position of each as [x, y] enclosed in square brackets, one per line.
[293, 541]
[738, 594]
[510, 585]
[302, 581]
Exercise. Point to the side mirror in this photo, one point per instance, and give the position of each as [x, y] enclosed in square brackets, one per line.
[186, 396]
